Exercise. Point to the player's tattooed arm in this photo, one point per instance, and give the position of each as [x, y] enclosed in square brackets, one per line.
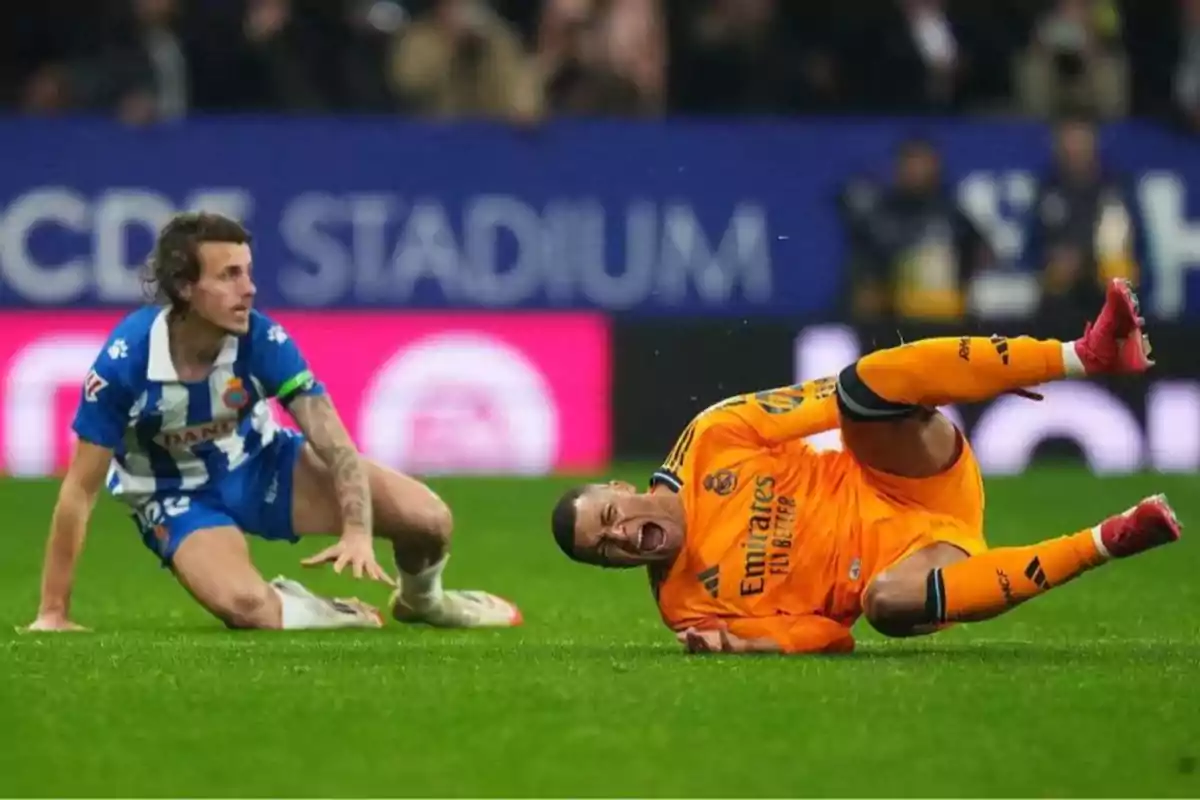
[329, 438]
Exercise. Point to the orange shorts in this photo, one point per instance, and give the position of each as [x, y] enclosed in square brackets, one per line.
[903, 515]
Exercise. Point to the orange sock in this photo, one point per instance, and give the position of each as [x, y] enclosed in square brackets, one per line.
[987, 585]
[935, 372]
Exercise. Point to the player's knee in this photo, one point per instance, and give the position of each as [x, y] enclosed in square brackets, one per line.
[429, 520]
[894, 605]
[859, 402]
[436, 520]
[250, 608]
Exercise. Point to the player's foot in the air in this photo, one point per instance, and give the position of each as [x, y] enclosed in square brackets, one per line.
[1147, 525]
[1116, 343]
[457, 609]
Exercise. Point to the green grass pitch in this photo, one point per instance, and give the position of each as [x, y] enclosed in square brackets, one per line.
[1091, 690]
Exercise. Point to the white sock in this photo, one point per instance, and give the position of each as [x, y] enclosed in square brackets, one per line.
[303, 610]
[1100, 548]
[423, 590]
[1071, 363]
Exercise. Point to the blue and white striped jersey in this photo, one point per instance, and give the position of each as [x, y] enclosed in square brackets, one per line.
[169, 436]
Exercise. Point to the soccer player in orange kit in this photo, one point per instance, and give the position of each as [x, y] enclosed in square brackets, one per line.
[755, 542]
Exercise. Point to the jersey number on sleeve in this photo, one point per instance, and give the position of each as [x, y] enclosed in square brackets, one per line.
[789, 398]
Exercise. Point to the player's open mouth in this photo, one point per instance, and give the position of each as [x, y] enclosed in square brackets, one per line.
[651, 537]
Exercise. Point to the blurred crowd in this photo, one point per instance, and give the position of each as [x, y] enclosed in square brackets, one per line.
[524, 59]
[913, 250]
[916, 252]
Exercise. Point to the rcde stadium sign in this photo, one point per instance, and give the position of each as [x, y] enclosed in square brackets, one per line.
[691, 219]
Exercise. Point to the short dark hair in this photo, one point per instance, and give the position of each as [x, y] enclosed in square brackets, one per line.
[175, 261]
[563, 519]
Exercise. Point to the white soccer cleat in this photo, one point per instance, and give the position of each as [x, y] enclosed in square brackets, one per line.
[294, 588]
[358, 614]
[323, 612]
[459, 609]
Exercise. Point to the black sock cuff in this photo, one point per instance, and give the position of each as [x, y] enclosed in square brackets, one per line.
[935, 597]
[859, 402]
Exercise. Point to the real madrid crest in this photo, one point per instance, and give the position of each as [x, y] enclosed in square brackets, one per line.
[722, 482]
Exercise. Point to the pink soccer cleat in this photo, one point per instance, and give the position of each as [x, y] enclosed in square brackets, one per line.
[1147, 525]
[1116, 343]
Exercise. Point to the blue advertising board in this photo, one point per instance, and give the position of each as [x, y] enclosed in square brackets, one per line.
[682, 217]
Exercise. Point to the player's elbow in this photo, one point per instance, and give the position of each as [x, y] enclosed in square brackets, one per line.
[894, 606]
[74, 505]
[86, 474]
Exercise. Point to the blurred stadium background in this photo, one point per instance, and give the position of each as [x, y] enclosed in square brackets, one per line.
[523, 241]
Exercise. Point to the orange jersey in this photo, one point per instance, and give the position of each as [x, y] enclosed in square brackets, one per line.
[774, 545]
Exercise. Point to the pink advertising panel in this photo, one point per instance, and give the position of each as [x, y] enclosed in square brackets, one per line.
[426, 393]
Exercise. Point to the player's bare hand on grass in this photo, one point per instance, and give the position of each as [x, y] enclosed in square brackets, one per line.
[717, 640]
[53, 623]
[355, 550]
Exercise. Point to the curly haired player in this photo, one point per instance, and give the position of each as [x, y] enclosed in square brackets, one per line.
[756, 542]
[173, 417]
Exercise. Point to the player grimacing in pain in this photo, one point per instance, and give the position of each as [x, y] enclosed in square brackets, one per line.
[755, 542]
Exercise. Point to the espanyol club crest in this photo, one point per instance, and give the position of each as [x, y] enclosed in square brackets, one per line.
[236, 396]
[92, 385]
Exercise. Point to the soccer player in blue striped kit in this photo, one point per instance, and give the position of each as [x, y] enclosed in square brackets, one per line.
[173, 419]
